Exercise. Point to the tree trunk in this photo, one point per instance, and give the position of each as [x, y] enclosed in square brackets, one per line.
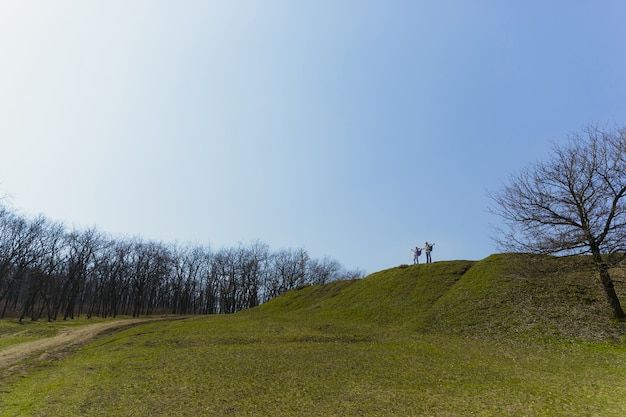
[609, 289]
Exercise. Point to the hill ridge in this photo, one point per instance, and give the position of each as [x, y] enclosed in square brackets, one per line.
[503, 295]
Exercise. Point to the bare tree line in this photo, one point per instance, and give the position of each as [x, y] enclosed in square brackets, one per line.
[48, 271]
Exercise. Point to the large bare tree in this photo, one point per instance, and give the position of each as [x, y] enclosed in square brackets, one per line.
[572, 203]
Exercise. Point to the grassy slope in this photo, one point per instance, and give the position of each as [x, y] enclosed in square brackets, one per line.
[502, 295]
[240, 366]
[421, 340]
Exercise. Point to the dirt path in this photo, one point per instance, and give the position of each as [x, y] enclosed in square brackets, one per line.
[65, 340]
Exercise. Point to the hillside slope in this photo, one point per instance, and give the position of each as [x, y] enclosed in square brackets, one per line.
[504, 295]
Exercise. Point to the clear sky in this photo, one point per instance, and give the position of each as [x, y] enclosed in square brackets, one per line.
[354, 129]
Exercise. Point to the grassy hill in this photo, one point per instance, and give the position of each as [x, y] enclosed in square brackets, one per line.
[504, 295]
[458, 338]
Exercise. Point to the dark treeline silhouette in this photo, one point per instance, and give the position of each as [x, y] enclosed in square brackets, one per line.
[48, 271]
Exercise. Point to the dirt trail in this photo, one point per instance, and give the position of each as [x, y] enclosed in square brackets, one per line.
[63, 341]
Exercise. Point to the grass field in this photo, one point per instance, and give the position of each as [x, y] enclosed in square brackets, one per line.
[381, 346]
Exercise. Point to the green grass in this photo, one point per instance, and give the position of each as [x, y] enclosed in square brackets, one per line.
[503, 295]
[243, 366]
[442, 339]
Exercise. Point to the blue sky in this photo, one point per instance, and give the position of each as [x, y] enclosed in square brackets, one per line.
[353, 129]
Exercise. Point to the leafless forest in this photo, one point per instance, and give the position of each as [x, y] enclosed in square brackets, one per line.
[50, 272]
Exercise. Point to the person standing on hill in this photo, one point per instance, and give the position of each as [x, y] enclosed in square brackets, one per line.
[428, 248]
[416, 255]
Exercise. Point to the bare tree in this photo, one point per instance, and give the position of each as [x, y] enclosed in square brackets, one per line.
[253, 265]
[289, 270]
[49, 267]
[82, 248]
[323, 271]
[187, 264]
[571, 204]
